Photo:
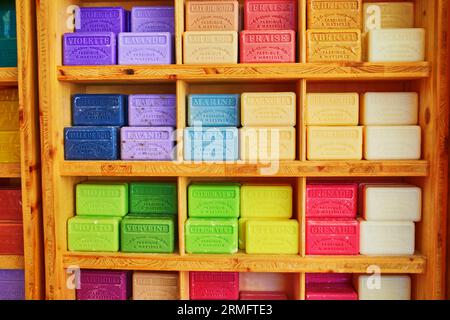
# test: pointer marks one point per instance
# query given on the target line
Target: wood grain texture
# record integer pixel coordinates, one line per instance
(9, 76)
(10, 170)
(12, 262)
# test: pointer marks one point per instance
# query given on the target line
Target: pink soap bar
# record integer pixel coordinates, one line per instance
(270, 15)
(332, 237)
(269, 46)
(328, 278)
(329, 200)
(262, 295)
(331, 292)
(214, 285)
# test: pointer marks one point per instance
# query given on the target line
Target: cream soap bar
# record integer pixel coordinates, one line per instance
(384, 287)
(388, 15)
(203, 47)
(330, 109)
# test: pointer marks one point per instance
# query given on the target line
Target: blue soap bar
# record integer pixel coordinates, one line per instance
(211, 144)
(213, 110)
(12, 285)
(91, 143)
(99, 110)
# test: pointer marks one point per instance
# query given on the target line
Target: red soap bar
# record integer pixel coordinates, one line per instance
(214, 285)
(270, 15)
(267, 46)
(11, 204)
(327, 200)
(329, 278)
(262, 295)
(331, 292)
(11, 238)
(332, 237)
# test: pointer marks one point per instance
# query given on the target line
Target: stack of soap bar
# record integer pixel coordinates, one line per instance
(153, 19)
(206, 47)
(334, 45)
(332, 109)
(11, 200)
(9, 105)
(264, 282)
(152, 110)
(213, 110)
(214, 200)
(9, 147)
(101, 19)
(11, 238)
(384, 287)
(155, 286)
(105, 199)
(12, 285)
(153, 198)
(331, 200)
(104, 285)
(334, 14)
(99, 110)
(212, 15)
(147, 48)
(268, 46)
(330, 292)
(147, 143)
(8, 34)
(214, 286)
(270, 15)
(388, 15)
(91, 143)
(89, 48)
(262, 295)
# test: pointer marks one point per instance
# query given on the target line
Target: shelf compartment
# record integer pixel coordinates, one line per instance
(12, 262)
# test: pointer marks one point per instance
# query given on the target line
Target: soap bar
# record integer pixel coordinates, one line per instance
(389, 108)
(153, 198)
(206, 47)
(262, 295)
(91, 143)
(146, 48)
(272, 236)
(93, 234)
(332, 237)
(153, 19)
(8, 54)
(155, 286)
(9, 147)
(392, 203)
(212, 15)
(331, 200)
(101, 19)
(214, 285)
(387, 237)
(266, 201)
(102, 199)
(268, 46)
(332, 109)
(388, 15)
(152, 110)
(148, 234)
(334, 14)
(99, 110)
(270, 15)
(384, 287)
(104, 285)
(211, 144)
(396, 45)
(334, 45)
(264, 282)
(214, 200)
(207, 235)
(267, 143)
(9, 105)
(89, 48)
(11, 238)
(392, 142)
(12, 285)
(11, 200)
(328, 278)
(242, 229)
(8, 32)
(213, 110)
(330, 292)
(155, 143)
(269, 109)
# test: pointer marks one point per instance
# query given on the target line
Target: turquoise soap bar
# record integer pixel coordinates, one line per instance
(214, 200)
(153, 198)
(102, 199)
(8, 34)
(213, 110)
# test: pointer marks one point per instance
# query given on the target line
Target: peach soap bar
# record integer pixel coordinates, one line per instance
(334, 14)
(212, 16)
(332, 109)
(334, 45)
(388, 15)
(203, 47)
(266, 201)
(155, 286)
(384, 287)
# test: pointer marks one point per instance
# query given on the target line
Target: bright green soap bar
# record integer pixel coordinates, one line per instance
(148, 234)
(102, 199)
(93, 234)
(214, 200)
(266, 201)
(211, 235)
(153, 198)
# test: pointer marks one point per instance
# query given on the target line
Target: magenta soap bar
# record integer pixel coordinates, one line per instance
(145, 48)
(269, 46)
(331, 200)
(332, 237)
(140, 143)
(101, 19)
(214, 285)
(329, 278)
(89, 48)
(271, 14)
(261, 295)
(330, 292)
(104, 285)
(153, 19)
(152, 110)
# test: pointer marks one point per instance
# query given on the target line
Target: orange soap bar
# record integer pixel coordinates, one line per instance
(11, 238)
(212, 16)
(334, 45)
(334, 14)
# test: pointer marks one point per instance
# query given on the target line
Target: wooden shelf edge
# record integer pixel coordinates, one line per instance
(9, 76)
(10, 170)
(12, 262)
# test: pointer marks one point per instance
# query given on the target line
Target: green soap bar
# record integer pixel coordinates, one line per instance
(211, 235)
(102, 199)
(148, 234)
(214, 200)
(93, 234)
(153, 198)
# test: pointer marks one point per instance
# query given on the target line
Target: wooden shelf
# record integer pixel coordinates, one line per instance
(10, 170)
(11, 262)
(9, 76)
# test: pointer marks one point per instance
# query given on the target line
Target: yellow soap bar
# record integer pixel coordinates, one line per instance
(9, 147)
(268, 109)
(334, 143)
(266, 201)
(203, 47)
(272, 237)
(267, 143)
(334, 45)
(9, 110)
(388, 15)
(332, 109)
(334, 14)
(242, 227)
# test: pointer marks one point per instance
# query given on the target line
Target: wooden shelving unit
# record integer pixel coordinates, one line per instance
(12, 262)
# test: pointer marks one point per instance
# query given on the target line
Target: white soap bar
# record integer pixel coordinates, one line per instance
(392, 203)
(269, 282)
(387, 238)
(389, 108)
(392, 143)
(388, 15)
(384, 287)
(396, 45)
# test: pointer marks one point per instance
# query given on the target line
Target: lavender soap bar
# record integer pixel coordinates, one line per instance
(214, 110)
(153, 19)
(12, 285)
(89, 48)
(152, 110)
(99, 110)
(148, 143)
(145, 48)
(91, 143)
(101, 19)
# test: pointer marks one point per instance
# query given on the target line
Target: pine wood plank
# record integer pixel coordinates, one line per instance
(10, 170)
(13, 262)
(9, 76)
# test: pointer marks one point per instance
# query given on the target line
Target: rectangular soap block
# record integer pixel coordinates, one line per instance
(331, 200)
(8, 54)
(207, 235)
(332, 109)
(328, 278)
(11, 238)
(8, 14)
(104, 285)
(99, 110)
(155, 143)
(332, 237)
(214, 200)
(89, 48)
(101, 19)
(208, 47)
(93, 234)
(392, 142)
(9, 147)
(214, 285)
(243, 227)
(12, 285)
(11, 200)
(334, 143)
(396, 45)
(155, 286)
(266, 109)
(153, 198)
(267, 46)
(272, 236)
(270, 15)
(330, 292)
(212, 15)
(9, 106)
(334, 14)
(211, 144)
(153, 19)
(388, 15)
(152, 110)
(262, 295)
(91, 143)
(213, 110)
(384, 287)
(145, 48)
(102, 199)
(265, 282)
(389, 108)
(266, 201)
(334, 45)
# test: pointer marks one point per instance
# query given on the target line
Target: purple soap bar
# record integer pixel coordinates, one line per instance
(89, 48)
(153, 19)
(145, 48)
(148, 143)
(12, 285)
(152, 110)
(104, 285)
(101, 19)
